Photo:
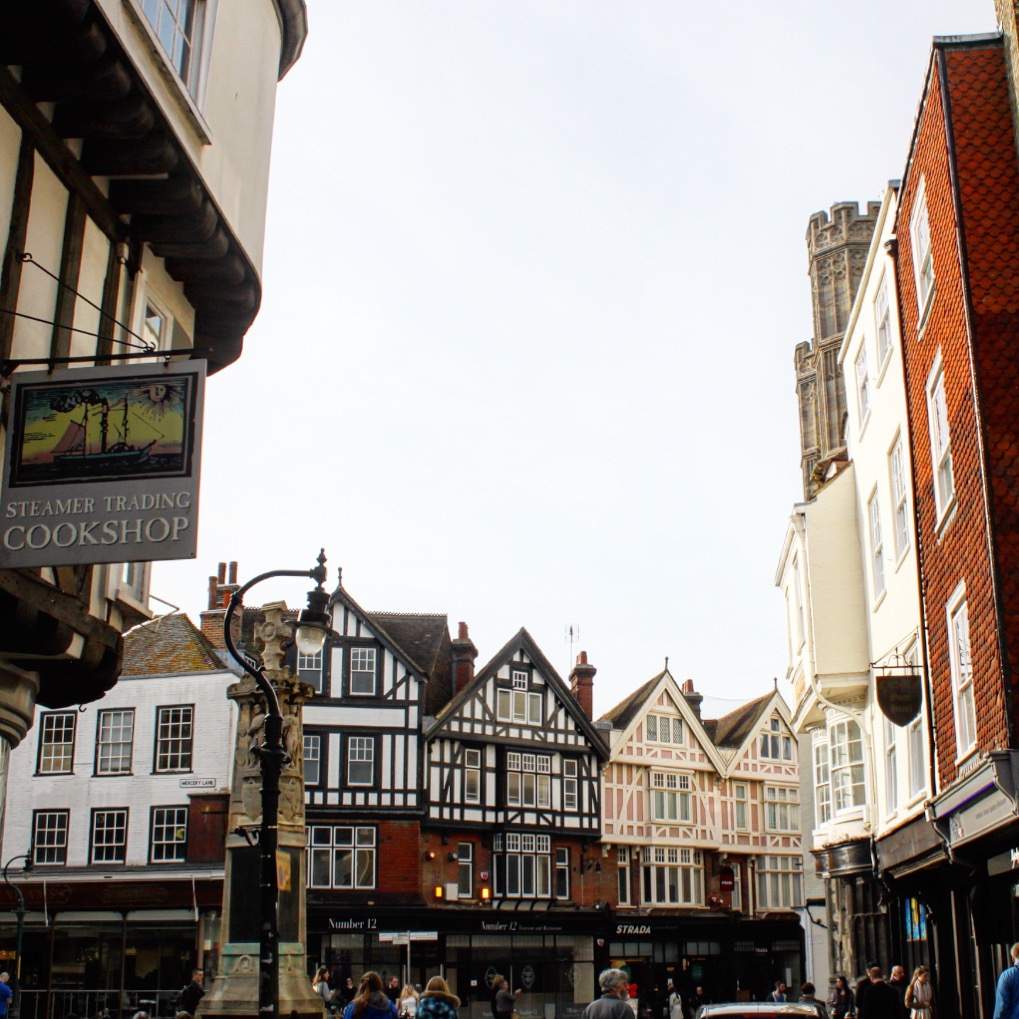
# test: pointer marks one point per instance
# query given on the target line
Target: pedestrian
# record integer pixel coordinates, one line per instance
(882, 1000)
(393, 989)
(779, 993)
(505, 1000)
(342, 995)
(699, 998)
(842, 1000)
(6, 994)
(863, 985)
(897, 979)
(407, 1003)
(436, 1002)
(807, 997)
(1006, 996)
(187, 1000)
(370, 1001)
(615, 995)
(320, 983)
(675, 1009)
(920, 994)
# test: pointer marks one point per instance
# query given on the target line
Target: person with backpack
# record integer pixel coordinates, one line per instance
(370, 1002)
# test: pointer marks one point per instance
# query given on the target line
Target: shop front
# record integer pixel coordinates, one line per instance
(550, 956)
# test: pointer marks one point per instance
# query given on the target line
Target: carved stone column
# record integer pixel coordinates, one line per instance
(235, 989)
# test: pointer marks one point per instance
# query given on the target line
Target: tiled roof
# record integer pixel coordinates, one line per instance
(168, 644)
(423, 636)
(732, 729)
(624, 712)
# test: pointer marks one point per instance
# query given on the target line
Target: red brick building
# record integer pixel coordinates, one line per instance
(958, 281)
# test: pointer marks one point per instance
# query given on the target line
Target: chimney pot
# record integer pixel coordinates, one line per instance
(582, 684)
(462, 632)
(233, 573)
(582, 658)
(222, 573)
(688, 686)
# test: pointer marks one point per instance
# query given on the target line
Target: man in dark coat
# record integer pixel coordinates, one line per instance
(615, 996)
(882, 1000)
(192, 993)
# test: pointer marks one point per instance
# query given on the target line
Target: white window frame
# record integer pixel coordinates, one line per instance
(671, 798)
(877, 547)
(49, 837)
(822, 780)
(522, 865)
(741, 806)
(900, 505)
(528, 780)
(571, 797)
(883, 322)
(781, 808)
(623, 872)
(779, 882)
(776, 744)
(465, 870)
(332, 849)
(309, 669)
(108, 836)
(923, 258)
(312, 758)
(472, 775)
(798, 616)
(361, 759)
(846, 766)
(941, 441)
(56, 756)
(672, 876)
(175, 739)
(960, 656)
(520, 707)
(168, 835)
(362, 662)
(115, 756)
(862, 386)
(891, 766)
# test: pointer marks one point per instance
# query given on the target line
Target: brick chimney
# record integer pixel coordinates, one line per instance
(582, 684)
(220, 592)
(464, 653)
(692, 696)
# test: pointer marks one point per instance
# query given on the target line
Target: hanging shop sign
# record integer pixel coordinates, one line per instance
(900, 696)
(102, 465)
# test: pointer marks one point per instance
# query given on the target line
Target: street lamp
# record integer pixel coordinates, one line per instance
(19, 929)
(311, 630)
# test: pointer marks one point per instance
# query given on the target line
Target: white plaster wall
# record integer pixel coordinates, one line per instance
(214, 738)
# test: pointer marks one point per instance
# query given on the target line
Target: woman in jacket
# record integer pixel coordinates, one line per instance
(370, 1002)
(842, 1001)
(320, 983)
(436, 1002)
(920, 995)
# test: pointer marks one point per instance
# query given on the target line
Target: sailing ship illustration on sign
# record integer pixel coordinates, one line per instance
(136, 427)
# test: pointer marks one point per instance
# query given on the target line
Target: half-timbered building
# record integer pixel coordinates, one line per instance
(701, 821)
(511, 831)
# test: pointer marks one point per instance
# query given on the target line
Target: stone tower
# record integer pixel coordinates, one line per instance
(837, 246)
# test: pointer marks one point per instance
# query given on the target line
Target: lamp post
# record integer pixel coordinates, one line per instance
(311, 630)
(19, 929)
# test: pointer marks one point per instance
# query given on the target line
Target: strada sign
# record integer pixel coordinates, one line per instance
(102, 465)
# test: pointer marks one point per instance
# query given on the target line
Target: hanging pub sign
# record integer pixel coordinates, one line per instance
(101, 465)
(900, 696)
(726, 878)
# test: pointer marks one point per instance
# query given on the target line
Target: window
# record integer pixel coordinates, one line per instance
(169, 839)
(312, 758)
(672, 876)
(341, 857)
(178, 25)
(363, 662)
(519, 679)
(664, 729)
(157, 328)
(774, 745)
(862, 385)
(174, 737)
(562, 873)
(846, 766)
(519, 706)
(570, 785)
(133, 577)
(822, 786)
(56, 743)
(882, 320)
(800, 624)
(623, 874)
(779, 882)
(923, 261)
(897, 474)
(523, 866)
(877, 559)
(741, 806)
(528, 780)
(114, 740)
(361, 760)
(941, 445)
(109, 836)
(472, 776)
(49, 836)
(670, 796)
(309, 669)
(962, 676)
(465, 870)
(781, 808)
(891, 767)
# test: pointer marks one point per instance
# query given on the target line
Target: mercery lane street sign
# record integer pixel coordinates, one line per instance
(102, 465)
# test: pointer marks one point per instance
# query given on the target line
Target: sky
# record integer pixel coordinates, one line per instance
(534, 273)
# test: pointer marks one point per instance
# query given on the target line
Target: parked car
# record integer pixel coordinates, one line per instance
(755, 1010)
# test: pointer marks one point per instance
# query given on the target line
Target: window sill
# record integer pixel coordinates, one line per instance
(903, 556)
(883, 369)
(879, 599)
(863, 425)
(925, 312)
(945, 517)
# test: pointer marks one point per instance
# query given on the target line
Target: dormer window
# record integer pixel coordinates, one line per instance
(519, 679)
(774, 745)
(663, 729)
(519, 706)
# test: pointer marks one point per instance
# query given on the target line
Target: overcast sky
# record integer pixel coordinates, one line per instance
(533, 278)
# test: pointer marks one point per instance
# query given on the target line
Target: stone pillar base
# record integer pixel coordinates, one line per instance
(234, 992)
(18, 691)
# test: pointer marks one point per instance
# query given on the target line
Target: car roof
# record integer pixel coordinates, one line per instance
(757, 1009)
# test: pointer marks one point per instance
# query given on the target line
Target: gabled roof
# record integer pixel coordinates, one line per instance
(166, 645)
(731, 730)
(423, 636)
(522, 640)
(627, 709)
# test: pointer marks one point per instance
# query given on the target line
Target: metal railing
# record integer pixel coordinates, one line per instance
(95, 1004)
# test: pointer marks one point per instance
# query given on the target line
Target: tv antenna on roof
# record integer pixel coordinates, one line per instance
(572, 636)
